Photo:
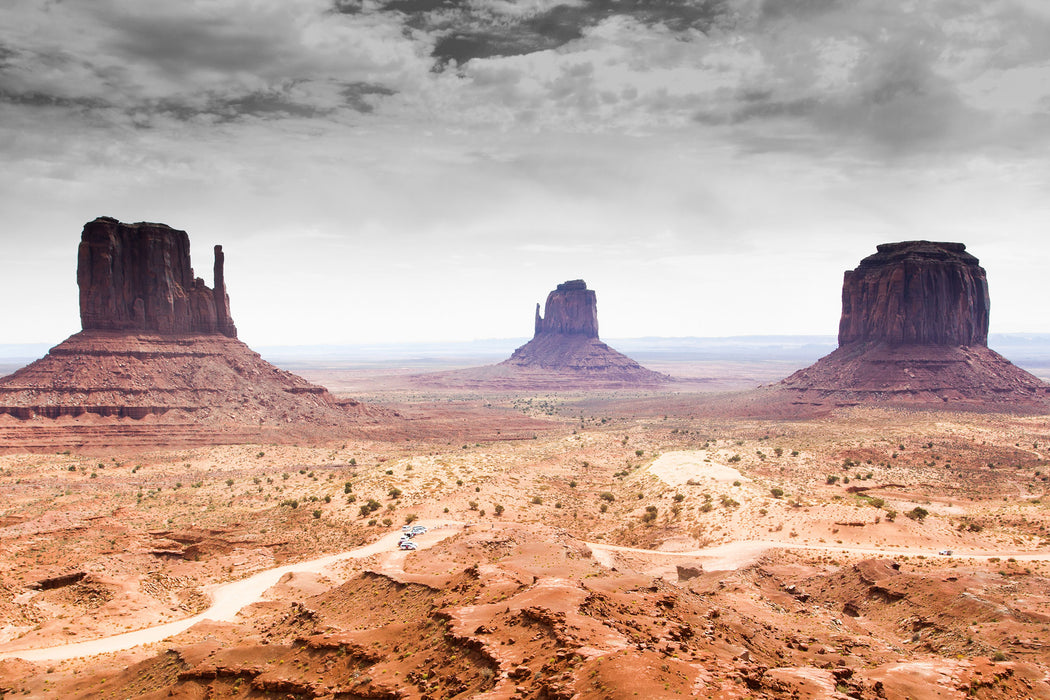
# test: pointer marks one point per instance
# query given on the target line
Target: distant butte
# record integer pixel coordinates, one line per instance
(157, 361)
(913, 332)
(564, 353)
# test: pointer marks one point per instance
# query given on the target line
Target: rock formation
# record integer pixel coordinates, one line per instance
(917, 293)
(137, 277)
(156, 343)
(571, 309)
(564, 353)
(914, 331)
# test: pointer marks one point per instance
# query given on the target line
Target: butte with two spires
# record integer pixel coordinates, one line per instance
(158, 360)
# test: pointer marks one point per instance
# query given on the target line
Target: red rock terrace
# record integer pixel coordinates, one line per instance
(157, 347)
(914, 330)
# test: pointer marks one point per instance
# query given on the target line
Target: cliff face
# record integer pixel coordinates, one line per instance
(137, 277)
(571, 309)
(916, 293)
(914, 332)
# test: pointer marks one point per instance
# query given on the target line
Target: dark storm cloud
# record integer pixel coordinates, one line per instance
(40, 99)
(466, 30)
(361, 96)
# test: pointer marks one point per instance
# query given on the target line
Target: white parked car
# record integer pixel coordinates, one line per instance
(945, 552)
(407, 544)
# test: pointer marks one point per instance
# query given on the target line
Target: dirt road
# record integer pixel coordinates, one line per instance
(733, 555)
(227, 600)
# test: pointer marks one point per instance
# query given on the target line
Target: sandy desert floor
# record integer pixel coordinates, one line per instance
(608, 545)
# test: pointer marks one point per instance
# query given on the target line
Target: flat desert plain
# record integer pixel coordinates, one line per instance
(609, 544)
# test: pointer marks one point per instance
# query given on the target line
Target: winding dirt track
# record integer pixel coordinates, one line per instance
(228, 599)
(733, 555)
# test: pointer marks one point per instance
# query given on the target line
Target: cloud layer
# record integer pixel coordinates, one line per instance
(676, 148)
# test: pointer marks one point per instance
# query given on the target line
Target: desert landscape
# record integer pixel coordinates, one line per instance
(526, 350)
(642, 537)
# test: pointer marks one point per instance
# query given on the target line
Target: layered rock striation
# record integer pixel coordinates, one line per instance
(157, 344)
(914, 331)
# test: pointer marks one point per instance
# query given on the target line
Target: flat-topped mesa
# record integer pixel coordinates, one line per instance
(137, 277)
(916, 293)
(571, 309)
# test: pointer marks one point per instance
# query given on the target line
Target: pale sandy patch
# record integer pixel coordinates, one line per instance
(676, 468)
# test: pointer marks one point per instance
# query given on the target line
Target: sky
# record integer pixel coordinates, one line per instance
(428, 170)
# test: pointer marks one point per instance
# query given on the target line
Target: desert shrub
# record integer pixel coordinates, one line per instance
(372, 506)
(918, 513)
(679, 497)
(351, 498)
(394, 492)
(410, 518)
(728, 502)
(707, 507)
(607, 496)
(387, 522)
(473, 505)
(891, 515)
(604, 508)
(777, 492)
(831, 479)
(348, 487)
(317, 514)
(778, 451)
(734, 458)
(537, 500)
(649, 515)
(639, 453)
(498, 509)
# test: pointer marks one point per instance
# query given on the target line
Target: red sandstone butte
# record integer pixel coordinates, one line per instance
(137, 277)
(564, 353)
(157, 361)
(914, 331)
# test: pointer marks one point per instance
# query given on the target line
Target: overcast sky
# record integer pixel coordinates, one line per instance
(413, 170)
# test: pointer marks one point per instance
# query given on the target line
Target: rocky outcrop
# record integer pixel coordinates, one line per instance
(913, 332)
(137, 277)
(917, 293)
(564, 353)
(159, 350)
(571, 309)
